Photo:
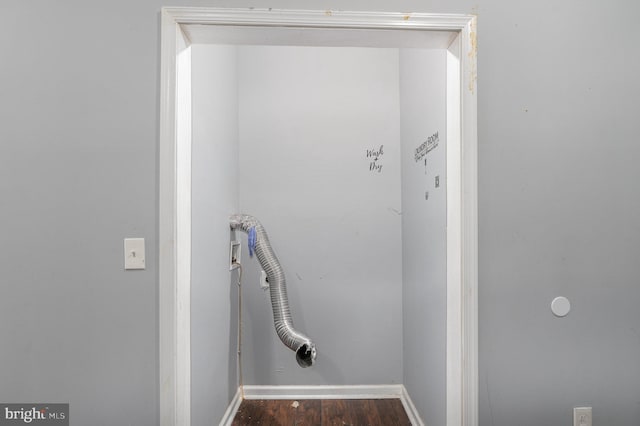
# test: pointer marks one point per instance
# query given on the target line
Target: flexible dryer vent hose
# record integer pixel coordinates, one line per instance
(296, 341)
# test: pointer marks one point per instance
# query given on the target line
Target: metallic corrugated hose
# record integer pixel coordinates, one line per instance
(296, 341)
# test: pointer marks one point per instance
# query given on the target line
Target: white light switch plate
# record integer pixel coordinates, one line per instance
(134, 253)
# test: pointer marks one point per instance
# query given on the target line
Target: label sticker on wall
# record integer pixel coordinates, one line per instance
(375, 159)
(426, 147)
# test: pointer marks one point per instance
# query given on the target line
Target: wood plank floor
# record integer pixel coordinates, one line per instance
(325, 412)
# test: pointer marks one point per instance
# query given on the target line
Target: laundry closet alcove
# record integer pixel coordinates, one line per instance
(352, 137)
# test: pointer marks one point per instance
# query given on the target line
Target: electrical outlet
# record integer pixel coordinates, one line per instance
(582, 416)
(234, 255)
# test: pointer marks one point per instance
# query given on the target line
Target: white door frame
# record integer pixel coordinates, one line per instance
(175, 191)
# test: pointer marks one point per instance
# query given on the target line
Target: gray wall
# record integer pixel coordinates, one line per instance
(214, 197)
(558, 185)
(332, 222)
(559, 209)
(78, 173)
(424, 260)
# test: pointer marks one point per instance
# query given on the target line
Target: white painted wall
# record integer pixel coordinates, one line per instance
(422, 101)
(307, 118)
(214, 198)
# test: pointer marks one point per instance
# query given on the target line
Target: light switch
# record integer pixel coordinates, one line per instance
(134, 253)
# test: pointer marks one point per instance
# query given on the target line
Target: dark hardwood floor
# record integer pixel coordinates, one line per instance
(325, 412)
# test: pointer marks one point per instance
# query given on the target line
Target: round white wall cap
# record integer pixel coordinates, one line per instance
(560, 306)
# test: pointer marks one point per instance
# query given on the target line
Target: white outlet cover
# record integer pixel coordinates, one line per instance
(560, 306)
(134, 256)
(582, 416)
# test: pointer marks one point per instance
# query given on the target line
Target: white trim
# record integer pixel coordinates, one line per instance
(469, 311)
(183, 235)
(454, 238)
(175, 227)
(462, 230)
(410, 409)
(325, 392)
(317, 18)
(230, 414)
(166, 267)
(175, 203)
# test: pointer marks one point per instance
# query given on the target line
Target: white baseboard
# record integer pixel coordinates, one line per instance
(324, 392)
(410, 409)
(230, 414)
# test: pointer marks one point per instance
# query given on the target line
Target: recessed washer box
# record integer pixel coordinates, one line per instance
(234, 255)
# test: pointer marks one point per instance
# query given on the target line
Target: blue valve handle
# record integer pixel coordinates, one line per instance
(252, 240)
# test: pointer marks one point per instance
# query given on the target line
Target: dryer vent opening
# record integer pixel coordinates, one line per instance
(306, 355)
